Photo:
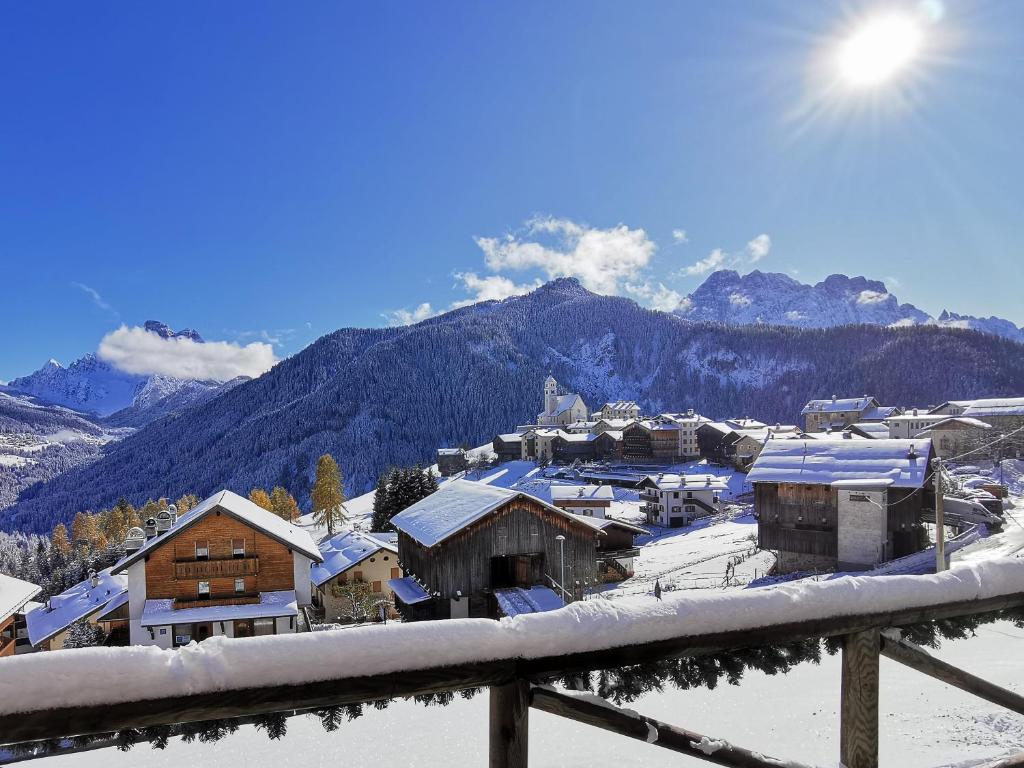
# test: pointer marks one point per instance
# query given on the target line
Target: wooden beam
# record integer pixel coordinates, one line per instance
(510, 725)
(917, 659)
(636, 726)
(858, 726)
(63, 722)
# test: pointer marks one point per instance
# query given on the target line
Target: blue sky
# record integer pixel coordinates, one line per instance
(276, 171)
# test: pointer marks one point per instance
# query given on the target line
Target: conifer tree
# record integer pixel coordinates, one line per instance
(382, 503)
(327, 495)
(261, 498)
(283, 504)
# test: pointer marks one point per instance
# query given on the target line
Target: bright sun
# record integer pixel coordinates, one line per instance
(878, 49)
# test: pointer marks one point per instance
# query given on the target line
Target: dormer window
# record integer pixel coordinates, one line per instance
(202, 550)
(238, 547)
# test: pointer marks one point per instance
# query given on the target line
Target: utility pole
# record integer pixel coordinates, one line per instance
(940, 520)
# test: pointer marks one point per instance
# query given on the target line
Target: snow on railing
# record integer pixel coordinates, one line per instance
(97, 676)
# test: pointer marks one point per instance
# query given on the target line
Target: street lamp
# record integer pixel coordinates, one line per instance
(561, 547)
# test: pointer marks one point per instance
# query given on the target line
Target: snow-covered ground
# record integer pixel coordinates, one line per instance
(924, 724)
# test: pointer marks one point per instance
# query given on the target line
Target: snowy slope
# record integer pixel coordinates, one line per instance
(773, 298)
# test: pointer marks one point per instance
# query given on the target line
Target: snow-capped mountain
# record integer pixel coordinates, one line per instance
(380, 397)
(772, 298)
(95, 387)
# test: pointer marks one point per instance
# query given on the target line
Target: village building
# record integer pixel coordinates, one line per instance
(841, 504)
(451, 461)
(98, 600)
(675, 501)
(560, 408)
(1005, 414)
(907, 425)
(958, 435)
(839, 413)
(713, 442)
(508, 447)
(616, 548)
(468, 542)
(15, 594)
(620, 409)
(349, 559)
(951, 407)
(589, 500)
(226, 567)
(688, 422)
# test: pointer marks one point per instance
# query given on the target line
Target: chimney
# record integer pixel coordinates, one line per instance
(163, 521)
(150, 527)
(689, 411)
(94, 579)
(915, 411)
(833, 398)
(134, 540)
(172, 510)
(912, 453)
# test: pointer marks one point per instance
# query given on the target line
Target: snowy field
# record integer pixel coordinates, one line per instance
(924, 724)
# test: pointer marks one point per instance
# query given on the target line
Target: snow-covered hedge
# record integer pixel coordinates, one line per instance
(96, 676)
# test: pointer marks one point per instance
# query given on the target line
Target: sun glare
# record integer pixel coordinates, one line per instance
(879, 49)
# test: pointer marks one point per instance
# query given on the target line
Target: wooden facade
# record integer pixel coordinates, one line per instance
(7, 636)
(237, 556)
(802, 520)
(513, 546)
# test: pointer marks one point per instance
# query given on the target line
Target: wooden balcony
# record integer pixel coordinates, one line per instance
(241, 598)
(212, 569)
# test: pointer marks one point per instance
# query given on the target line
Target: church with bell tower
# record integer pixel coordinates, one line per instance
(561, 408)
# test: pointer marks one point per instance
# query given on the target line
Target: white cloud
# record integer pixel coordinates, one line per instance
(871, 297)
(739, 300)
(715, 260)
(490, 288)
(136, 350)
(656, 296)
(758, 248)
(602, 259)
(97, 300)
(892, 282)
(410, 316)
(680, 236)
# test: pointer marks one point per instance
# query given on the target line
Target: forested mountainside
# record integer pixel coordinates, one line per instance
(773, 298)
(378, 397)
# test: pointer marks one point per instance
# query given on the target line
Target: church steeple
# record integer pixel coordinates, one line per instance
(550, 394)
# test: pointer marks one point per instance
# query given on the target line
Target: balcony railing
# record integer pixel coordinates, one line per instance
(239, 598)
(226, 568)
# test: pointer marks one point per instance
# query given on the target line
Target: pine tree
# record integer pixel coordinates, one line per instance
(327, 495)
(283, 504)
(382, 513)
(82, 634)
(261, 498)
(60, 540)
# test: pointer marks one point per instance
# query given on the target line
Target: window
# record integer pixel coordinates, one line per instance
(385, 558)
(396, 573)
(202, 550)
(239, 586)
(358, 576)
(375, 587)
(203, 589)
(163, 630)
(238, 547)
(689, 494)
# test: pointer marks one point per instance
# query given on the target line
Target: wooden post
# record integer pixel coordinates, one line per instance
(940, 519)
(510, 710)
(858, 727)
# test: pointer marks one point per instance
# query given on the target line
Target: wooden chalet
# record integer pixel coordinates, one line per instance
(14, 595)
(841, 504)
(467, 540)
(226, 567)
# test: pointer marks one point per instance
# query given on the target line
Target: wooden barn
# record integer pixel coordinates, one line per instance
(468, 540)
(841, 504)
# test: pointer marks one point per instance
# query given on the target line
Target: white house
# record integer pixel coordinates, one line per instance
(674, 501)
(589, 500)
(620, 409)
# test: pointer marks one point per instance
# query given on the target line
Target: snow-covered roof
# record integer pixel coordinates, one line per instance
(457, 504)
(344, 550)
(517, 601)
(745, 424)
(14, 593)
(73, 604)
(581, 493)
(511, 437)
(449, 451)
(272, 604)
(621, 405)
(718, 426)
(408, 591)
(966, 422)
(873, 429)
(564, 403)
(675, 482)
(601, 523)
(616, 423)
(244, 511)
(685, 418)
(879, 412)
(999, 406)
(839, 405)
(113, 605)
(957, 403)
(824, 462)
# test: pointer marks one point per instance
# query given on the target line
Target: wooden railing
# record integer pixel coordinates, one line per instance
(205, 569)
(236, 598)
(514, 688)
